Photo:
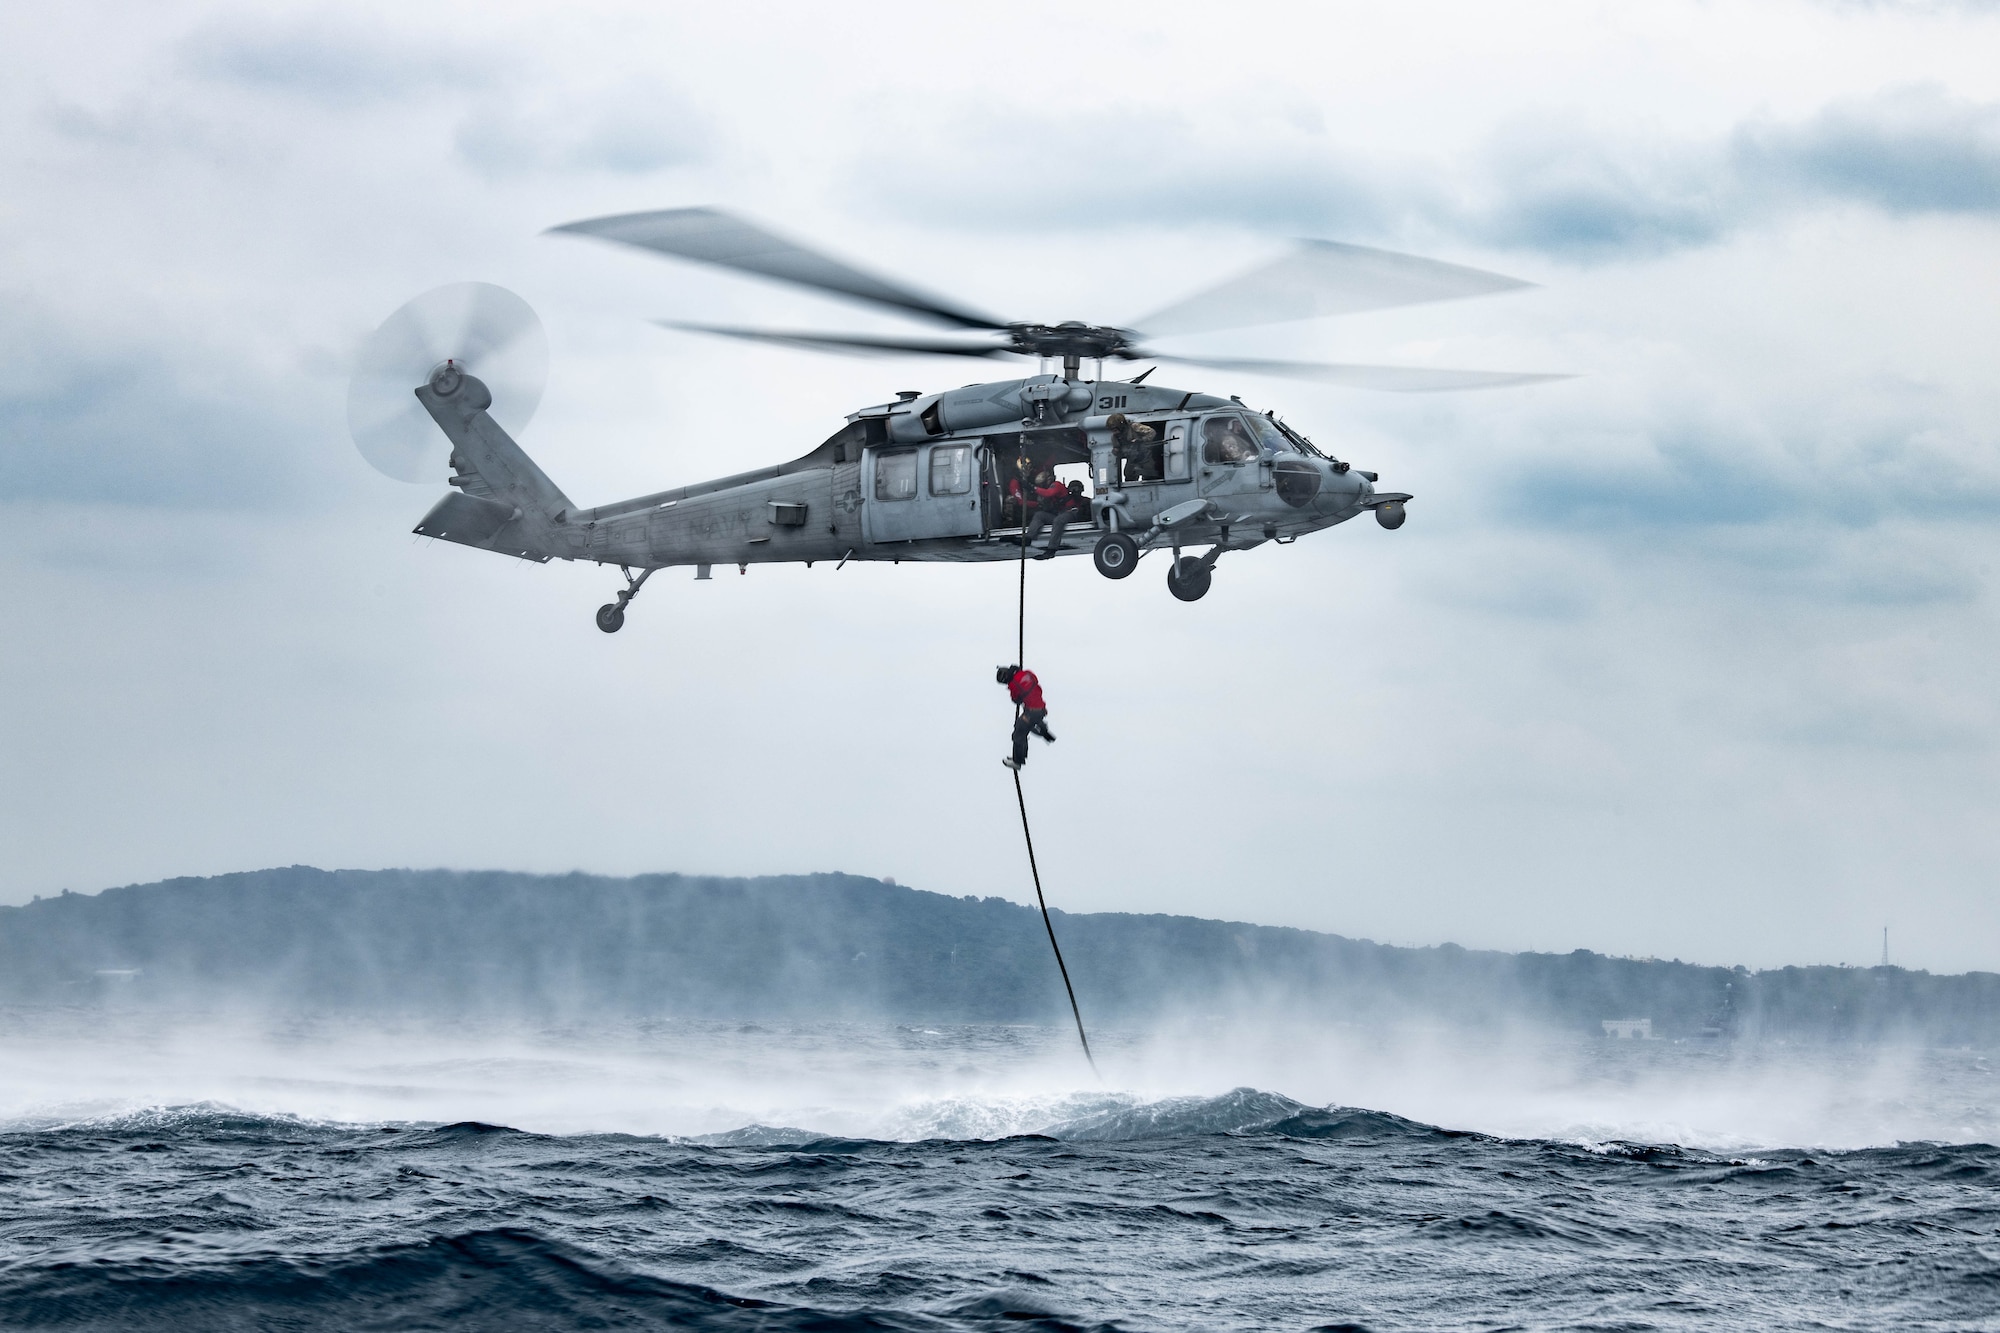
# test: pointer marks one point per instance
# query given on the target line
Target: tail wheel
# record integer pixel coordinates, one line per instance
(611, 617)
(1116, 555)
(1189, 579)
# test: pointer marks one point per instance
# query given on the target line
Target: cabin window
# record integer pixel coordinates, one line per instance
(951, 469)
(896, 475)
(1177, 450)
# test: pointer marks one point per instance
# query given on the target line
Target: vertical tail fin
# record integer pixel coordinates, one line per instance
(507, 503)
(482, 451)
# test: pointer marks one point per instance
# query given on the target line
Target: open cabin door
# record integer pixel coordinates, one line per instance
(916, 491)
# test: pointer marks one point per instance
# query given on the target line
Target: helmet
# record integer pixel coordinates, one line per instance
(1004, 675)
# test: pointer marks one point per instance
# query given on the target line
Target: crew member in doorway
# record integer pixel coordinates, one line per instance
(1020, 495)
(1030, 713)
(1052, 506)
(1137, 445)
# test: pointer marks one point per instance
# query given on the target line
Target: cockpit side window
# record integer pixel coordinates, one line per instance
(1226, 440)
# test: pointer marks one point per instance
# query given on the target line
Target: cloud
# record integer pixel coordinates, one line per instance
(636, 127)
(1556, 189)
(1548, 183)
(318, 61)
(96, 419)
(1696, 457)
(1908, 150)
(521, 117)
(1261, 173)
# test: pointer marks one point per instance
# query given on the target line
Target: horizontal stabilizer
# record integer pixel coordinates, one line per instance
(486, 524)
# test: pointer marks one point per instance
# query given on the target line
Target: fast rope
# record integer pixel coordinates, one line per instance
(1027, 835)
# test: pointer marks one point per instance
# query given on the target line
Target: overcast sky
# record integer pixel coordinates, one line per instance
(1691, 656)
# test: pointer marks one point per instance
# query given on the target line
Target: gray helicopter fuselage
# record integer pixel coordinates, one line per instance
(919, 479)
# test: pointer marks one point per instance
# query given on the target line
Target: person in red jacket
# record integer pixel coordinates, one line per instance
(1052, 506)
(1019, 498)
(1030, 713)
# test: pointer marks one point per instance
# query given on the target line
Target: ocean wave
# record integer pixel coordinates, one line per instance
(1239, 1111)
(204, 1119)
(1101, 1117)
(1080, 1118)
(1243, 1211)
(1245, 1111)
(504, 1278)
(1105, 1118)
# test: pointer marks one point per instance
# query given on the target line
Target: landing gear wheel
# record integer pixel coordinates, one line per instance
(611, 617)
(1189, 578)
(1116, 555)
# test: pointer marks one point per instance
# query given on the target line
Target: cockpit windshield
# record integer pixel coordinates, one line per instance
(1274, 440)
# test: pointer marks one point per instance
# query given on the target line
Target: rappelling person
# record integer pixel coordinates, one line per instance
(1030, 713)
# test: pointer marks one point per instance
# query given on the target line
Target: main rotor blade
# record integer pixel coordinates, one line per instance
(1324, 278)
(710, 236)
(847, 342)
(1389, 379)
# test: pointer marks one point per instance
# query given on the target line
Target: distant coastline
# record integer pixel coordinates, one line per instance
(444, 943)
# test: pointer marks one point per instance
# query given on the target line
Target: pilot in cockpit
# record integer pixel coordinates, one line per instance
(1225, 441)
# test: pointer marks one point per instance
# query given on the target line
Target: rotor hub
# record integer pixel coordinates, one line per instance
(1068, 340)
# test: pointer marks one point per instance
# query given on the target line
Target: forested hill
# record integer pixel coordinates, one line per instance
(445, 943)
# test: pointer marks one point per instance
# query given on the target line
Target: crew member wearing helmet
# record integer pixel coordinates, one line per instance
(1051, 506)
(1030, 713)
(1138, 446)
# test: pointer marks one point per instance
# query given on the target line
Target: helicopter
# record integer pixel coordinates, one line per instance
(926, 476)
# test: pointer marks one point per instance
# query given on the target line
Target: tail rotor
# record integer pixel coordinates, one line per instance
(477, 328)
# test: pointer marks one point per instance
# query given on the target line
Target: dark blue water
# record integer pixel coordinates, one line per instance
(1244, 1210)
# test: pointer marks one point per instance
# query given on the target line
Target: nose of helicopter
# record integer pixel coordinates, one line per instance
(1344, 489)
(1315, 484)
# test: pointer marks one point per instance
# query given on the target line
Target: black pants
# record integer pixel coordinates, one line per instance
(1030, 721)
(1042, 519)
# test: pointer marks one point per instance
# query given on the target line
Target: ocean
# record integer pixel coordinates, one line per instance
(208, 1173)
